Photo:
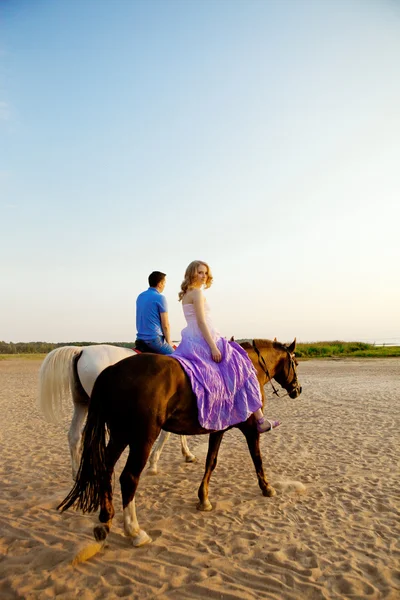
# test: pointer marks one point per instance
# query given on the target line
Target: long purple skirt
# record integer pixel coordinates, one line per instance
(227, 392)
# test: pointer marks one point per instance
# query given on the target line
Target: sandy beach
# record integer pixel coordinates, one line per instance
(337, 535)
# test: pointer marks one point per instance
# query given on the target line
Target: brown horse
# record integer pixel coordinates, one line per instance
(136, 398)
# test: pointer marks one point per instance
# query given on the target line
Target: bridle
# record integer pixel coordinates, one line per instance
(264, 367)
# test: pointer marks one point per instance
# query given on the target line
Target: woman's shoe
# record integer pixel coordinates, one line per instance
(265, 424)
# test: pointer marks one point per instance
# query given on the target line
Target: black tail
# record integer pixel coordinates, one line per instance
(93, 480)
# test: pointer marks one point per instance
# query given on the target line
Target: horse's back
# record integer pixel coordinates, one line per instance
(94, 359)
(147, 372)
(145, 387)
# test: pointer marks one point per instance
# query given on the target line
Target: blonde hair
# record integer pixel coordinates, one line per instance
(190, 276)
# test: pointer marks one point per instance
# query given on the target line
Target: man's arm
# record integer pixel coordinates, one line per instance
(165, 327)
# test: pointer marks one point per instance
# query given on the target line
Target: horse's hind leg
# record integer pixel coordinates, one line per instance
(156, 452)
(131, 526)
(113, 452)
(81, 407)
(214, 443)
(75, 433)
(253, 442)
(189, 457)
(129, 479)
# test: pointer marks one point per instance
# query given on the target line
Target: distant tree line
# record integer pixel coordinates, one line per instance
(45, 347)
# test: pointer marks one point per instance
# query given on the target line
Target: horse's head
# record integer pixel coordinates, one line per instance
(286, 376)
(274, 360)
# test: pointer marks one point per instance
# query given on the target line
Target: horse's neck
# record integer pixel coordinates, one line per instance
(272, 357)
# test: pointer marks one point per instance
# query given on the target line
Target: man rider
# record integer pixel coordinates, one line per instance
(152, 322)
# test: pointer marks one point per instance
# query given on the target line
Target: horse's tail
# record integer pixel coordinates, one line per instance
(56, 378)
(93, 481)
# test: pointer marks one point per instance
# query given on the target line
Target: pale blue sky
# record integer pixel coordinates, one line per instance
(261, 136)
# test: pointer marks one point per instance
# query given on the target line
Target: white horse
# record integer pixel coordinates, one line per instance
(73, 370)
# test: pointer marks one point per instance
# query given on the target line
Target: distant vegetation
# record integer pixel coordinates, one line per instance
(310, 350)
(344, 349)
(45, 347)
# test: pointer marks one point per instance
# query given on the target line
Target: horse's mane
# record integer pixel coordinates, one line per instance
(262, 344)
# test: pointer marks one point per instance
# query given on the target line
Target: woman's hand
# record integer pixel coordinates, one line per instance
(216, 354)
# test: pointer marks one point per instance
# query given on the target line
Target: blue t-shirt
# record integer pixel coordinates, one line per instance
(149, 305)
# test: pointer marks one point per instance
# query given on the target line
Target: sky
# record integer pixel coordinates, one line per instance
(261, 136)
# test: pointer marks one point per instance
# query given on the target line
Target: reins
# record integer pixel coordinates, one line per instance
(264, 367)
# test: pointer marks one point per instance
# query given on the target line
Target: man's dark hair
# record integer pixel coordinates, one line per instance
(155, 278)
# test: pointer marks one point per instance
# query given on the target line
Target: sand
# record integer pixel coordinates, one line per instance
(333, 534)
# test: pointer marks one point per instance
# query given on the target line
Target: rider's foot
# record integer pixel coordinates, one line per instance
(265, 424)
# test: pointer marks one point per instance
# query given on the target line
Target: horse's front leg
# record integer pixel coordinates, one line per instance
(189, 457)
(75, 435)
(156, 452)
(214, 443)
(252, 436)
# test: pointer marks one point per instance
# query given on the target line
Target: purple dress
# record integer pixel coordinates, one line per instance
(227, 392)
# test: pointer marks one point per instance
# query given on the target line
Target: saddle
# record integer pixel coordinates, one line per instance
(141, 346)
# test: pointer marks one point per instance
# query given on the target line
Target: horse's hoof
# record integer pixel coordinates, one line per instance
(141, 539)
(269, 492)
(204, 506)
(191, 458)
(152, 471)
(100, 532)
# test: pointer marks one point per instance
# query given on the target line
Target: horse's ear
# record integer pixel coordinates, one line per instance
(275, 340)
(232, 339)
(292, 346)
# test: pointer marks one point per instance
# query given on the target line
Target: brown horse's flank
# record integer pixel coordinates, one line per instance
(136, 398)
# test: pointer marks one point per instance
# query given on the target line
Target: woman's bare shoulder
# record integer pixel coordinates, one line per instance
(197, 292)
(192, 296)
(198, 298)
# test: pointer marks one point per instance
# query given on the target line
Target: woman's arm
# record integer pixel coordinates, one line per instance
(198, 303)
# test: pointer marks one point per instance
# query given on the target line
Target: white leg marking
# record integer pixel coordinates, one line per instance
(131, 526)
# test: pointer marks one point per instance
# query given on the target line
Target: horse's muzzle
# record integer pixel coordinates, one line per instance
(296, 392)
